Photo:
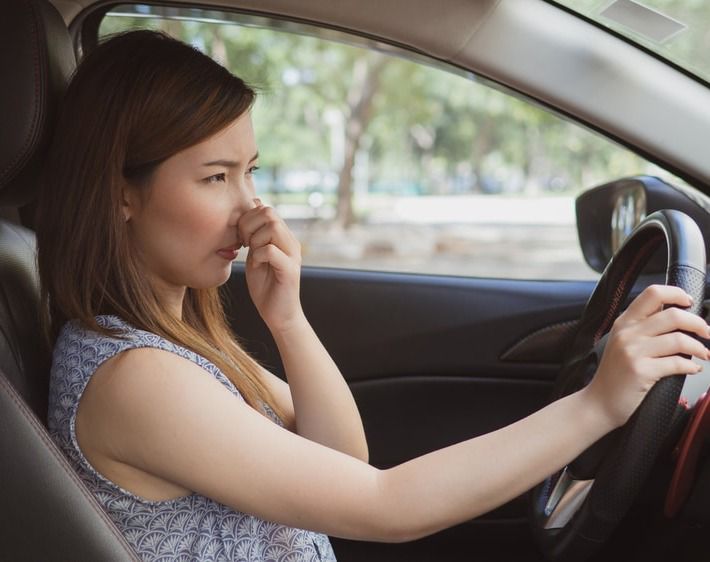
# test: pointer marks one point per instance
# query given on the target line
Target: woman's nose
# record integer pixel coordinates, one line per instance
(244, 198)
(243, 201)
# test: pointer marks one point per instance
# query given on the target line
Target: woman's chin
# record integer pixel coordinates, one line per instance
(213, 281)
(226, 274)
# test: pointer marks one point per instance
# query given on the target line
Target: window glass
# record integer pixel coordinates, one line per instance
(381, 161)
(678, 30)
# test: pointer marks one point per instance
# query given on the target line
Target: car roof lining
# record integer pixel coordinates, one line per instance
(580, 69)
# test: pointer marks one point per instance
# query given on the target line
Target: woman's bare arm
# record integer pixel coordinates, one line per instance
(327, 413)
(166, 416)
(323, 406)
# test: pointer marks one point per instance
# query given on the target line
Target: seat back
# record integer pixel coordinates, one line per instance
(46, 512)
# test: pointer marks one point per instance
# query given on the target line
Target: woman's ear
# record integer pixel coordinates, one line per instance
(129, 201)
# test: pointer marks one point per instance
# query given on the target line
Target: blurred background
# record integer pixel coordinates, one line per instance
(381, 161)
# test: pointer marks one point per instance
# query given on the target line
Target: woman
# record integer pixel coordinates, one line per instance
(194, 450)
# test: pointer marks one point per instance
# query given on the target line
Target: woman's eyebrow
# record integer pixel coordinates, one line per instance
(229, 163)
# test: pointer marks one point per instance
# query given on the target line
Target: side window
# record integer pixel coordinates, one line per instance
(381, 161)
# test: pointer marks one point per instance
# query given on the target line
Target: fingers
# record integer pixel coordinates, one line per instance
(261, 226)
(645, 316)
(272, 255)
(656, 333)
(673, 365)
(672, 319)
(653, 298)
(676, 343)
(252, 220)
(275, 233)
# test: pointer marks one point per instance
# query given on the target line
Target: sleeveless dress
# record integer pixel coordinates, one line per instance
(192, 527)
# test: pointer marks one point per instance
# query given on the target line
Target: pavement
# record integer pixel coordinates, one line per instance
(470, 235)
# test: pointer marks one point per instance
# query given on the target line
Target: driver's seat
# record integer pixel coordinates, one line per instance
(46, 512)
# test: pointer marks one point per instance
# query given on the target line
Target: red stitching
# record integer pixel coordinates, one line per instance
(630, 273)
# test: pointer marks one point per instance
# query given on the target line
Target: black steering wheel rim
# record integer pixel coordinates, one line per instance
(595, 507)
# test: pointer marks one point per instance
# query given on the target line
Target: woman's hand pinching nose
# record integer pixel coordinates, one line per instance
(273, 265)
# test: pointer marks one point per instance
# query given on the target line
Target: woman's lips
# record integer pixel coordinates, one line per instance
(229, 253)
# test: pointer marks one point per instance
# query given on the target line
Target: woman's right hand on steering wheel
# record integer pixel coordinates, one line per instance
(646, 343)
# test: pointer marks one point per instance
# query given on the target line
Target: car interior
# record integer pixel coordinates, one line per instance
(431, 360)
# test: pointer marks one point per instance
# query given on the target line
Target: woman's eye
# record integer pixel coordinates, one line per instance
(216, 178)
(251, 170)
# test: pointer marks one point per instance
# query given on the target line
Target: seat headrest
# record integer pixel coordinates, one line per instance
(36, 63)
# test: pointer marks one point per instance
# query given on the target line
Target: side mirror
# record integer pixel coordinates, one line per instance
(608, 213)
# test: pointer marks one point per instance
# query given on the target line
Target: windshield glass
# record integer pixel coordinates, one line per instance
(678, 30)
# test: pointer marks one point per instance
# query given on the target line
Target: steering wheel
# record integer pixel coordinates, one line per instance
(575, 511)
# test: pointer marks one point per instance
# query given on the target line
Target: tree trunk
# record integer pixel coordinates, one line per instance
(366, 76)
(218, 49)
(174, 28)
(482, 144)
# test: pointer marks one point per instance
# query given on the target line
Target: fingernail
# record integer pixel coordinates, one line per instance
(257, 202)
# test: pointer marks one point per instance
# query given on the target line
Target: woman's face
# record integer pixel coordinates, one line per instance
(184, 225)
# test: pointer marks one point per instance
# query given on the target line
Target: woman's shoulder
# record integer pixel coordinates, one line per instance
(122, 352)
(93, 346)
(81, 349)
(113, 335)
(122, 338)
(115, 329)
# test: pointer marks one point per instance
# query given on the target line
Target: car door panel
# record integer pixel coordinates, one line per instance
(392, 325)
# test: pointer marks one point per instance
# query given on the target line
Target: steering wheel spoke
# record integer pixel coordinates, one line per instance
(565, 500)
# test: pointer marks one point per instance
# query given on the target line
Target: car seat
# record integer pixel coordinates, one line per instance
(46, 513)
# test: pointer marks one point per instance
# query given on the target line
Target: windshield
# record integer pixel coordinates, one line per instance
(678, 30)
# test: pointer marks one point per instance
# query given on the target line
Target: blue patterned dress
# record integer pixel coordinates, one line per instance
(192, 527)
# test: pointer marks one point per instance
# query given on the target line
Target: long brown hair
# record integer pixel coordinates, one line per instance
(137, 99)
